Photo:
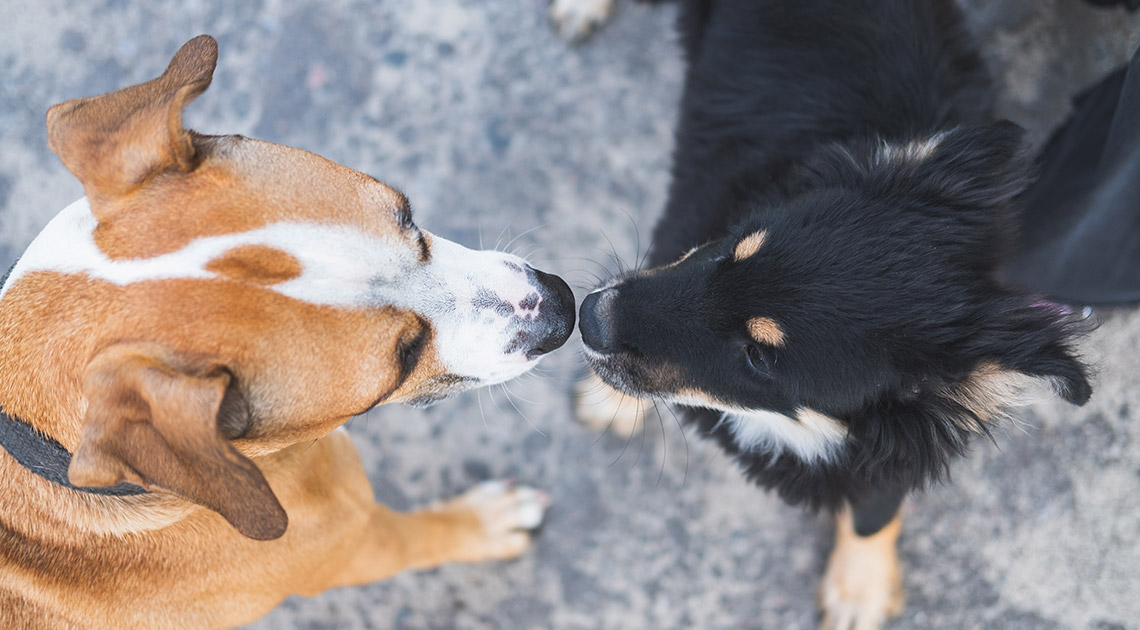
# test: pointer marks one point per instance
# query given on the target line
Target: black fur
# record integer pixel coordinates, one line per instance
(859, 136)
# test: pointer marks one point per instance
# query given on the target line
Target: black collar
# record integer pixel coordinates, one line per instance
(4, 280)
(47, 458)
(43, 455)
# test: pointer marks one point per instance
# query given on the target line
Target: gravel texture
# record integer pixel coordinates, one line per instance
(503, 135)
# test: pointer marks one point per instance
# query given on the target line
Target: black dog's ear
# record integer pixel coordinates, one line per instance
(1032, 336)
(913, 434)
(977, 167)
(972, 167)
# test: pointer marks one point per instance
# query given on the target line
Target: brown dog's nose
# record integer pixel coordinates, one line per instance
(556, 314)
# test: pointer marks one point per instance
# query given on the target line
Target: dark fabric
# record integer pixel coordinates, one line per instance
(47, 458)
(1080, 238)
(4, 279)
(876, 510)
(1131, 5)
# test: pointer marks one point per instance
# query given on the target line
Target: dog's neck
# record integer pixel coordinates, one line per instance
(41, 454)
(47, 458)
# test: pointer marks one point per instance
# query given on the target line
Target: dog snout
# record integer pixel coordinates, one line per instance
(555, 319)
(596, 321)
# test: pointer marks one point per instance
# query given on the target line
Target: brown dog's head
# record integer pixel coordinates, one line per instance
(218, 297)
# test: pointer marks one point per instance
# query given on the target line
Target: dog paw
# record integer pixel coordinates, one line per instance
(861, 590)
(506, 516)
(575, 19)
(599, 406)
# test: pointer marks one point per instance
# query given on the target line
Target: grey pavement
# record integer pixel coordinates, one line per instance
(502, 135)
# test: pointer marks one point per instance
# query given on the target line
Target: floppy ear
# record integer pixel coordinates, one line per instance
(912, 438)
(1033, 337)
(155, 424)
(114, 142)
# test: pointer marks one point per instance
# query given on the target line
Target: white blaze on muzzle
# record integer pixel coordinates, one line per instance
(479, 303)
(480, 306)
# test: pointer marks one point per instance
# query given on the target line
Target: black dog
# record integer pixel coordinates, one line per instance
(839, 326)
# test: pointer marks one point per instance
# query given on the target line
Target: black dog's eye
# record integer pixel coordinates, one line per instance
(760, 358)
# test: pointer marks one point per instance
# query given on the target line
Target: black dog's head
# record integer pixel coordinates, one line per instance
(859, 317)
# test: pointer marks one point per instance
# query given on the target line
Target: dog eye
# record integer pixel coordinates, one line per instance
(404, 219)
(409, 351)
(760, 358)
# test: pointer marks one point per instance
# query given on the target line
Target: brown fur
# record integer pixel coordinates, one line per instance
(256, 264)
(749, 245)
(766, 330)
(226, 411)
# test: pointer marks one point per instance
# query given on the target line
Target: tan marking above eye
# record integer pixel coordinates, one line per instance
(256, 264)
(749, 245)
(766, 330)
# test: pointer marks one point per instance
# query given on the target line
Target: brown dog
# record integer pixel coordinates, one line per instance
(193, 332)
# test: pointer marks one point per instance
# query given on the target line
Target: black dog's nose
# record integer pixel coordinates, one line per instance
(557, 314)
(596, 321)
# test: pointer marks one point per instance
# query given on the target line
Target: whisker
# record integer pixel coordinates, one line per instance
(479, 401)
(620, 261)
(613, 255)
(624, 447)
(642, 261)
(584, 287)
(684, 437)
(664, 450)
(636, 237)
(507, 247)
(587, 259)
(509, 393)
(491, 395)
(527, 256)
(499, 238)
(520, 411)
(644, 430)
(603, 432)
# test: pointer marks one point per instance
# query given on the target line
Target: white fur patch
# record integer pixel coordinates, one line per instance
(338, 262)
(913, 151)
(811, 436)
(470, 338)
(344, 267)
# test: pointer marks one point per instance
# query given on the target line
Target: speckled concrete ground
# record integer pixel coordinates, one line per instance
(503, 135)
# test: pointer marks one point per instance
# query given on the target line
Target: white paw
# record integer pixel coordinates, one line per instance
(599, 406)
(575, 19)
(508, 513)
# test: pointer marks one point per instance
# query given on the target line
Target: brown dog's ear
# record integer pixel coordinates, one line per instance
(154, 424)
(114, 142)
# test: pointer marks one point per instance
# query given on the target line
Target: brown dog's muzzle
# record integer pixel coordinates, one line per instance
(555, 319)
